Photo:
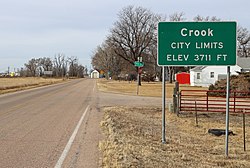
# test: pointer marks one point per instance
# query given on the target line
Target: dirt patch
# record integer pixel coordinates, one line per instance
(8, 85)
(133, 139)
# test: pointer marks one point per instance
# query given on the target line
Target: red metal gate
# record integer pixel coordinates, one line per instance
(213, 101)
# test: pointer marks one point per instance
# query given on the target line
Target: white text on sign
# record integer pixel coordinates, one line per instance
(197, 57)
(200, 45)
(191, 32)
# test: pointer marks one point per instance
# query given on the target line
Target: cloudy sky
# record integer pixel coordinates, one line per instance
(33, 29)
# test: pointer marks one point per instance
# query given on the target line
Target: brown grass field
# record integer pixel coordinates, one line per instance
(146, 89)
(133, 139)
(133, 135)
(14, 84)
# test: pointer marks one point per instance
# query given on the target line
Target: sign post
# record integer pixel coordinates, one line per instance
(139, 64)
(197, 44)
(163, 106)
(227, 110)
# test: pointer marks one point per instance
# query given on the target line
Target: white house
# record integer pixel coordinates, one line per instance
(95, 74)
(207, 75)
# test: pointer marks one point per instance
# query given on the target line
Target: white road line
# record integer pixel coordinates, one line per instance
(72, 138)
(94, 86)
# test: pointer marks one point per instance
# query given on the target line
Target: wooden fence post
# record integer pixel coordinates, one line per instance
(207, 100)
(175, 97)
(234, 100)
(196, 115)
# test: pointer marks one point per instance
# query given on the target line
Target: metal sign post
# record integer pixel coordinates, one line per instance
(163, 106)
(196, 44)
(139, 64)
(227, 109)
(137, 88)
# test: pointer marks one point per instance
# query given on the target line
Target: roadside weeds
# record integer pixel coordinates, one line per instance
(133, 139)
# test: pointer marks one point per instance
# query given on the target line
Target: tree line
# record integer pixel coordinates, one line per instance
(134, 35)
(59, 66)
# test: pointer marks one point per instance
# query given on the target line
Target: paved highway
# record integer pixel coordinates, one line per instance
(58, 125)
(53, 126)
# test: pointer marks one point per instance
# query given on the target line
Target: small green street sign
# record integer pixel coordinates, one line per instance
(196, 43)
(138, 64)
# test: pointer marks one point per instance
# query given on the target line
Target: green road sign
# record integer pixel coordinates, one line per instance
(196, 43)
(138, 64)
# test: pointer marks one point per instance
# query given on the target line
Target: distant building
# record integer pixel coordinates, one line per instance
(244, 63)
(95, 74)
(101, 74)
(3, 74)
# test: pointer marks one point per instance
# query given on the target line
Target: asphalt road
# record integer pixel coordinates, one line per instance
(57, 126)
(36, 126)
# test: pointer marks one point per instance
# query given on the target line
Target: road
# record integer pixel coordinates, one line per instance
(56, 126)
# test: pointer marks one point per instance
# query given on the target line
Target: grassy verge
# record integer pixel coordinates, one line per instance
(146, 89)
(14, 84)
(133, 139)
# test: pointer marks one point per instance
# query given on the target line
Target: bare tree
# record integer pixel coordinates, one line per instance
(73, 65)
(105, 59)
(86, 71)
(46, 63)
(59, 65)
(133, 33)
(150, 59)
(177, 17)
(100, 59)
(32, 66)
(80, 71)
(199, 18)
(243, 38)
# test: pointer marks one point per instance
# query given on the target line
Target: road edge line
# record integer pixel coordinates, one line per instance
(70, 142)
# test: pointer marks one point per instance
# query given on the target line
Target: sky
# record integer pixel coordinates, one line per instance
(34, 29)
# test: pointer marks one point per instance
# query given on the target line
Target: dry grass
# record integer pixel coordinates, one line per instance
(147, 89)
(14, 84)
(133, 139)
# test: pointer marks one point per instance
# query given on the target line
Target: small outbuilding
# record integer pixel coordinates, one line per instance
(183, 78)
(95, 74)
